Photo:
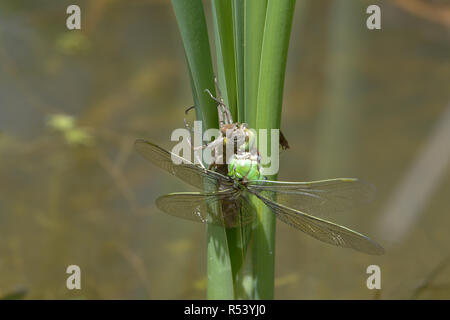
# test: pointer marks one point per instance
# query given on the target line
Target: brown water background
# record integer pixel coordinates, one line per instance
(357, 103)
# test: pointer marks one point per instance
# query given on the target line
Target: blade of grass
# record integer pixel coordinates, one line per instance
(224, 22)
(239, 31)
(222, 14)
(252, 38)
(191, 20)
(254, 21)
(239, 239)
(222, 84)
(192, 25)
(245, 15)
(275, 44)
(225, 51)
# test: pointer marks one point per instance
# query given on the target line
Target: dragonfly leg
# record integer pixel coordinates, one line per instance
(217, 86)
(188, 109)
(223, 111)
(220, 105)
(186, 124)
(219, 101)
(188, 127)
(226, 111)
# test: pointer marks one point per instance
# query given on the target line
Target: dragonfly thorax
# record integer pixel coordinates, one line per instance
(245, 167)
(235, 153)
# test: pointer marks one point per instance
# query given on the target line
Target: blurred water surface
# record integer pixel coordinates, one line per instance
(358, 103)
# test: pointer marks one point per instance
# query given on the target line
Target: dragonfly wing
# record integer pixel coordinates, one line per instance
(324, 230)
(221, 208)
(186, 171)
(318, 198)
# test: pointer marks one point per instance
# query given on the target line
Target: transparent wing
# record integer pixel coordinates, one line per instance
(318, 198)
(224, 208)
(186, 171)
(324, 230)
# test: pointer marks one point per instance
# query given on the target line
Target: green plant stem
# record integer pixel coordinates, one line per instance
(223, 16)
(238, 7)
(255, 17)
(269, 102)
(252, 39)
(229, 46)
(191, 20)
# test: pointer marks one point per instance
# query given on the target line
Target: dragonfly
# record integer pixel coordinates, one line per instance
(303, 205)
